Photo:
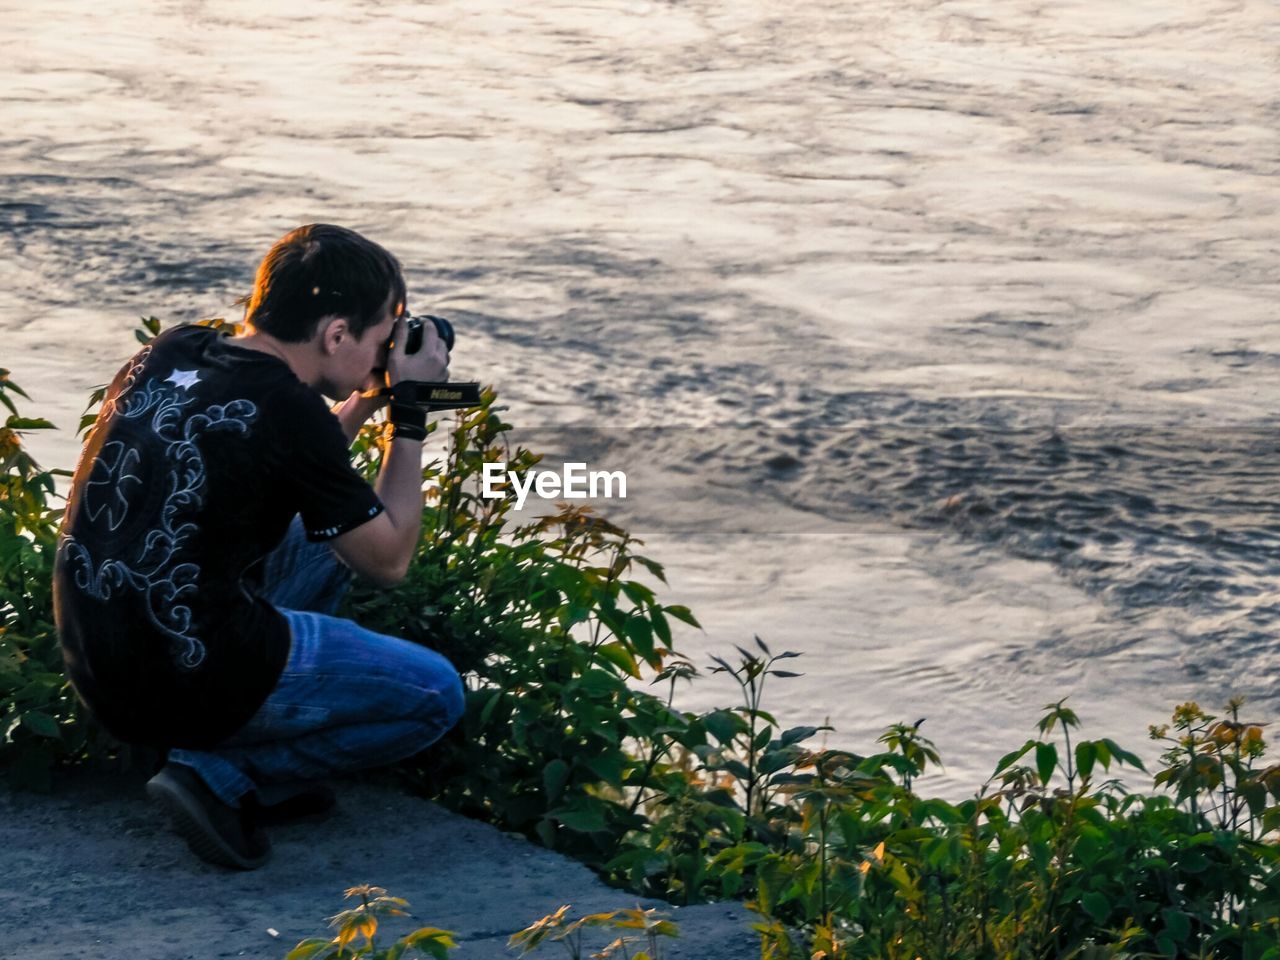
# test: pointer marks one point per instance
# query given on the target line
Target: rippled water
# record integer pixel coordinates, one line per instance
(939, 339)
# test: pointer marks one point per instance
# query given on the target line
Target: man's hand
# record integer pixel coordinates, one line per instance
(431, 362)
(355, 411)
(373, 383)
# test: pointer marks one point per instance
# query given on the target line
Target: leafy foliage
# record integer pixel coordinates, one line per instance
(41, 722)
(557, 627)
(362, 922)
(1045, 861)
(635, 926)
(549, 623)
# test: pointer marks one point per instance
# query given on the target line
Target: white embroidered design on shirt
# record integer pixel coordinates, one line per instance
(154, 572)
(183, 379)
(110, 482)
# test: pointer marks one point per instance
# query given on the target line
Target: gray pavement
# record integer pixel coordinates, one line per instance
(92, 871)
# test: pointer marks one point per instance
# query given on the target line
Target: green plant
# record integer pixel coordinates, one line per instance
(1051, 864)
(556, 928)
(362, 921)
(746, 732)
(556, 622)
(40, 719)
(549, 624)
(718, 791)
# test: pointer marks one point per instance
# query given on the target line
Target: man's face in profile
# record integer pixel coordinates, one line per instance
(360, 360)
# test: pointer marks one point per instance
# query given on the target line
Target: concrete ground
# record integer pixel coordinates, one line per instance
(93, 871)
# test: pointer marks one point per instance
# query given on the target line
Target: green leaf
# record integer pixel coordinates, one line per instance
(724, 725)
(1124, 755)
(661, 629)
(1046, 761)
(638, 593)
(1009, 758)
(1097, 906)
(1177, 924)
(600, 683)
(683, 614)
(554, 776)
(29, 423)
(546, 831)
(1103, 753)
(486, 712)
(722, 665)
(775, 760)
(1091, 845)
(10, 385)
(654, 568)
(1193, 862)
(1085, 756)
(307, 948)
(42, 724)
(582, 820)
(641, 634)
(430, 940)
(607, 766)
(618, 655)
(797, 734)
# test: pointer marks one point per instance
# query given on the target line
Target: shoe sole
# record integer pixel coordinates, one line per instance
(190, 822)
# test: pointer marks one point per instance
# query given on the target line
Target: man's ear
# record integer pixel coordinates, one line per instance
(333, 331)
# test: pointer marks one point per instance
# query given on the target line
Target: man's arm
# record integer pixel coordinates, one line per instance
(382, 548)
(355, 411)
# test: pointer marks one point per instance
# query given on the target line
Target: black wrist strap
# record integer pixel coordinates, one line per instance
(400, 432)
(407, 421)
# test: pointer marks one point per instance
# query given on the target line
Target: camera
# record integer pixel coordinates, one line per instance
(414, 328)
(440, 395)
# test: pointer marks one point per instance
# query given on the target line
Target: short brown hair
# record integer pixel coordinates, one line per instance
(320, 270)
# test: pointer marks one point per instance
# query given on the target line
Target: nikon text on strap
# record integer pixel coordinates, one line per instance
(433, 395)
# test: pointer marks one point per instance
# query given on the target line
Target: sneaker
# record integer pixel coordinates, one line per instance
(286, 803)
(215, 832)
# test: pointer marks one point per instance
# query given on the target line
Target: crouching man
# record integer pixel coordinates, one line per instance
(211, 528)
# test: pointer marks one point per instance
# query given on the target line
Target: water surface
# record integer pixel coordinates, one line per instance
(940, 337)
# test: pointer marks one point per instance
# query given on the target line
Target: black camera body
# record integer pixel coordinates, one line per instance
(414, 327)
(440, 395)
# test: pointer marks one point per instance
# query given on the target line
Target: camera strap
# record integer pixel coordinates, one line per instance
(434, 395)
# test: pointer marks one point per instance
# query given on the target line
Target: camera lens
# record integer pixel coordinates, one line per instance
(413, 335)
(445, 330)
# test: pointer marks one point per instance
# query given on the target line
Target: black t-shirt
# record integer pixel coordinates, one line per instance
(202, 454)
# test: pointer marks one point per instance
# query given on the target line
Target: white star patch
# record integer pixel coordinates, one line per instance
(186, 379)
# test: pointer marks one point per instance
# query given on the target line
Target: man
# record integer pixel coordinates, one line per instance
(210, 530)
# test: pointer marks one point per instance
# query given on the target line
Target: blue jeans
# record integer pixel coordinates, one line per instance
(348, 698)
